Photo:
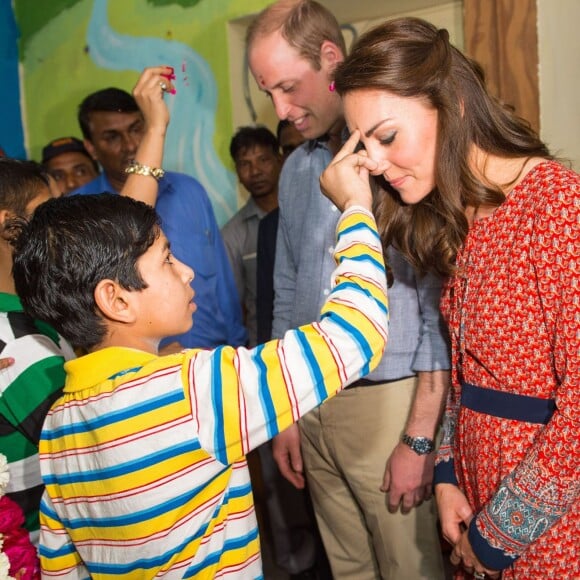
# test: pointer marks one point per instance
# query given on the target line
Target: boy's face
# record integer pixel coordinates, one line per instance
(166, 306)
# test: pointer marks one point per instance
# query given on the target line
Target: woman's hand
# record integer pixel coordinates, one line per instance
(455, 514)
(454, 511)
(152, 85)
(346, 180)
(464, 555)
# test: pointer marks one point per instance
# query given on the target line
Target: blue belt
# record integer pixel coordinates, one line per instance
(507, 405)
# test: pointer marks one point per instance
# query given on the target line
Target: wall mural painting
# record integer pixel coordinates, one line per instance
(50, 38)
(190, 136)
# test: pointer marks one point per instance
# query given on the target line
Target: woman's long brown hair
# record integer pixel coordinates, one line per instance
(410, 57)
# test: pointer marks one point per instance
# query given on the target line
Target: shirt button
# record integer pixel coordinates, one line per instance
(333, 207)
(326, 291)
(331, 250)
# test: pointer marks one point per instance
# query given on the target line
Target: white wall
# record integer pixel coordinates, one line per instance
(559, 76)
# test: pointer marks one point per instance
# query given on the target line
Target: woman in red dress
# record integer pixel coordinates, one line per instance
(464, 187)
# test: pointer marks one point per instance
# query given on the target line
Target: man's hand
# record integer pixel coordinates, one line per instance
(408, 478)
(288, 457)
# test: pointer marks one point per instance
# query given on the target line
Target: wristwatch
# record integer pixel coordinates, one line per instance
(420, 445)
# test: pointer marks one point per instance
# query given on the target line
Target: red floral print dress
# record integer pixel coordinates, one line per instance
(512, 424)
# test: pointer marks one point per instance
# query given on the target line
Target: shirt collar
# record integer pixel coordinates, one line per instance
(323, 140)
(10, 303)
(251, 209)
(102, 365)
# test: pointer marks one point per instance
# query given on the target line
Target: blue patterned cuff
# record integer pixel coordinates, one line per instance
(489, 556)
(445, 472)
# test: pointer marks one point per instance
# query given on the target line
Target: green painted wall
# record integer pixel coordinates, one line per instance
(58, 72)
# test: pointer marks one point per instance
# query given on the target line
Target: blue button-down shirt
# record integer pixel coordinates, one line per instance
(188, 221)
(418, 339)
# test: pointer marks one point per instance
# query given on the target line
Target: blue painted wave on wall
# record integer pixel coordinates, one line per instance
(189, 146)
(11, 131)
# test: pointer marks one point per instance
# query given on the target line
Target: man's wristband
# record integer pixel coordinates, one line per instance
(139, 169)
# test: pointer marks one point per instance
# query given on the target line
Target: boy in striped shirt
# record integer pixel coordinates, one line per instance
(143, 456)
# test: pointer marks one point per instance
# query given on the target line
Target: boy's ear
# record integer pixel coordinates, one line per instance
(330, 55)
(114, 301)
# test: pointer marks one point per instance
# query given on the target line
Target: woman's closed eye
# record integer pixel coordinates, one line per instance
(388, 139)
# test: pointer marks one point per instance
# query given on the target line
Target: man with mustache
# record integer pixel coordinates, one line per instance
(113, 127)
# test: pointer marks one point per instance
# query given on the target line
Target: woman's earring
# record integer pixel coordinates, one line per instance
(332, 87)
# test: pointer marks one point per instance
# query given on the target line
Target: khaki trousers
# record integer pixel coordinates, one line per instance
(345, 444)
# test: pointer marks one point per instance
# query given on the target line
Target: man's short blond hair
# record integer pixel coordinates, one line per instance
(304, 24)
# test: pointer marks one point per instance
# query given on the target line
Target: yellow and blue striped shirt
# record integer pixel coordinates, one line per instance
(143, 457)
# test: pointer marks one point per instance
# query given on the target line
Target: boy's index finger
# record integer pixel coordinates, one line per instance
(349, 146)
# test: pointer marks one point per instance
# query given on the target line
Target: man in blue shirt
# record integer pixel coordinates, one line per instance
(112, 127)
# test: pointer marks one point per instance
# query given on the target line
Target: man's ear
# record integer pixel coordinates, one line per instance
(330, 56)
(114, 302)
(90, 148)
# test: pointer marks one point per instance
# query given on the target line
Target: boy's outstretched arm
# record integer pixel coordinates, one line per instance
(245, 397)
(149, 94)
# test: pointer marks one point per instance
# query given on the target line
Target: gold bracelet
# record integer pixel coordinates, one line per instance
(137, 168)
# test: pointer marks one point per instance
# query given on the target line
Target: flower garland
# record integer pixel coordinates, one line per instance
(18, 559)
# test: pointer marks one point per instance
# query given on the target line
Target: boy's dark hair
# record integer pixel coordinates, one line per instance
(20, 182)
(110, 100)
(248, 137)
(68, 247)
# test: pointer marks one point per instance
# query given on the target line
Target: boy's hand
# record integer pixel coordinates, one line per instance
(346, 180)
(288, 457)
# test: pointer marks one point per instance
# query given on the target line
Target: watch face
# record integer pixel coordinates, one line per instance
(420, 445)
